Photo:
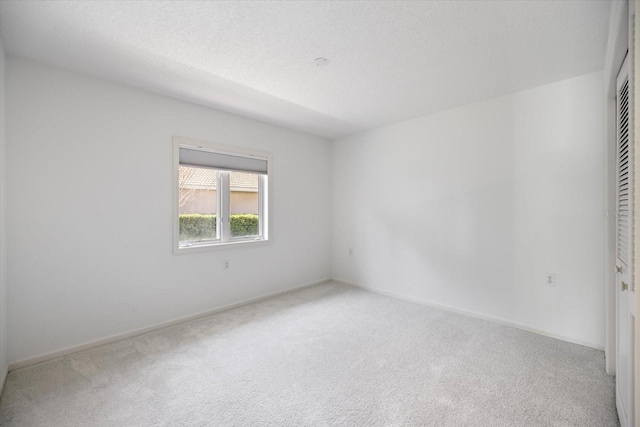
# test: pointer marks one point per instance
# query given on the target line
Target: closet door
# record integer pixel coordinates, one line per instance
(625, 294)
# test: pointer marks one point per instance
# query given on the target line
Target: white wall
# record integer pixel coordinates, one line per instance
(479, 203)
(4, 354)
(83, 267)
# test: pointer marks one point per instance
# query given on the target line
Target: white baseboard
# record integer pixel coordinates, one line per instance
(3, 377)
(113, 338)
(471, 314)
(73, 349)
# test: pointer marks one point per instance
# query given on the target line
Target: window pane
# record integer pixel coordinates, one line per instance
(244, 204)
(198, 204)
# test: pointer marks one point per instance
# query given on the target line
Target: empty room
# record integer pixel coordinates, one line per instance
(319, 213)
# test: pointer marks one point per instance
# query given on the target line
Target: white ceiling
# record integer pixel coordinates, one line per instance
(389, 61)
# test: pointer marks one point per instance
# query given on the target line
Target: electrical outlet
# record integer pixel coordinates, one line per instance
(225, 264)
(550, 279)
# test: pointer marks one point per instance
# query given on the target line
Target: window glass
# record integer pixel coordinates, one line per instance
(198, 204)
(244, 204)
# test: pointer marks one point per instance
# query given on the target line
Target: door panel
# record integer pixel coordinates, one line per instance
(625, 293)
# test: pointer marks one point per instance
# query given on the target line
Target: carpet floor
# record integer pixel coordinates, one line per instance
(328, 355)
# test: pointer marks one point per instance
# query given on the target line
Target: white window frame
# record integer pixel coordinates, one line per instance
(223, 217)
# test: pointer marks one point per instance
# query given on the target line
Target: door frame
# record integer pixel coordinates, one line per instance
(635, 69)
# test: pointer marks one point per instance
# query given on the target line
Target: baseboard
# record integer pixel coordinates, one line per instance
(73, 349)
(471, 314)
(3, 377)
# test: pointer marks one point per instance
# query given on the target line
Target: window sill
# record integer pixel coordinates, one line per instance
(215, 246)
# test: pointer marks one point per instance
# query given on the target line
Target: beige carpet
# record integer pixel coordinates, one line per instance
(324, 356)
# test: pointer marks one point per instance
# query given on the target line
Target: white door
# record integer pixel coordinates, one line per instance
(625, 295)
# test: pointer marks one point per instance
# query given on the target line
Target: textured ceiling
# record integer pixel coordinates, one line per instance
(389, 61)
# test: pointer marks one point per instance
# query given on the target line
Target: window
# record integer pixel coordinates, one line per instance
(221, 195)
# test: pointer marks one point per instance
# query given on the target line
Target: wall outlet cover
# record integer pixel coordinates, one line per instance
(550, 279)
